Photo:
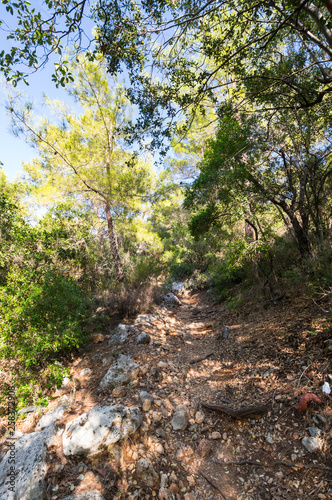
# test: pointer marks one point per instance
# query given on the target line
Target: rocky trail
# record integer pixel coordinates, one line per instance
(188, 402)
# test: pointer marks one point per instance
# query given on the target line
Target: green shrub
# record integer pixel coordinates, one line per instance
(41, 315)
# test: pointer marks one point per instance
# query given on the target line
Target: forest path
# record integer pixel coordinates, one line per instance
(188, 362)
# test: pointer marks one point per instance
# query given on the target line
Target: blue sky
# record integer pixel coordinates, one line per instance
(14, 151)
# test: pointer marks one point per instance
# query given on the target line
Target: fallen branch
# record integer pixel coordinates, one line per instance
(201, 358)
(274, 464)
(215, 485)
(240, 413)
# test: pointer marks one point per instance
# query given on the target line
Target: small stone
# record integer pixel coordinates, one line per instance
(189, 496)
(199, 417)
(293, 457)
(97, 338)
(66, 383)
(269, 438)
(180, 418)
(146, 472)
(160, 432)
(279, 475)
(174, 488)
(147, 400)
(326, 389)
(191, 481)
(159, 449)
(204, 448)
(225, 333)
(143, 338)
(119, 392)
(162, 364)
(224, 436)
(85, 371)
(216, 435)
(312, 443)
(314, 432)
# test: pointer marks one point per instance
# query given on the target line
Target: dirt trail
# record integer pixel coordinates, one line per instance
(270, 357)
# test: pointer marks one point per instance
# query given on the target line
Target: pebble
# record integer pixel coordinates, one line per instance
(159, 449)
(326, 389)
(146, 472)
(204, 448)
(312, 443)
(189, 496)
(191, 481)
(314, 432)
(98, 337)
(143, 338)
(119, 392)
(216, 435)
(147, 400)
(85, 371)
(180, 418)
(269, 438)
(199, 417)
(174, 488)
(160, 432)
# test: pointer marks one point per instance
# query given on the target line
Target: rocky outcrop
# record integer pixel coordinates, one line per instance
(121, 372)
(101, 427)
(23, 469)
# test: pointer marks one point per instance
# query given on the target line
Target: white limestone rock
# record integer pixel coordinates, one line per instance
(50, 417)
(102, 426)
(30, 467)
(121, 372)
(171, 299)
(120, 334)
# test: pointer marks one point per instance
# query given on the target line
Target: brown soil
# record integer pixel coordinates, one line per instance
(271, 357)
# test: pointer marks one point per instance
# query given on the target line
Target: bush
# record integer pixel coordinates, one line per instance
(40, 317)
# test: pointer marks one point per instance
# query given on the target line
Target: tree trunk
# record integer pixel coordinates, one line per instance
(114, 244)
(301, 236)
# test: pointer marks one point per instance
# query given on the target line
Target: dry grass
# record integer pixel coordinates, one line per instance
(129, 302)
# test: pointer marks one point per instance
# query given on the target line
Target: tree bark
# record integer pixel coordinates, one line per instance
(301, 236)
(114, 244)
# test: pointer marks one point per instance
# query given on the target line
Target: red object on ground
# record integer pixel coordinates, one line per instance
(305, 399)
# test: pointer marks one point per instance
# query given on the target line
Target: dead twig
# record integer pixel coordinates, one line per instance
(274, 464)
(240, 412)
(215, 485)
(201, 358)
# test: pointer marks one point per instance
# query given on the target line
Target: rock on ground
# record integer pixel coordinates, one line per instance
(146, 472)
(122, 371)
(180, 418)
(178, 287)
(147, 400)
(50, 417)
(87, 495)
(120, 334)
(143, 338)
(171, 299)
(312, 443)
(102, 426)
(30, 466)
(145, 318)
